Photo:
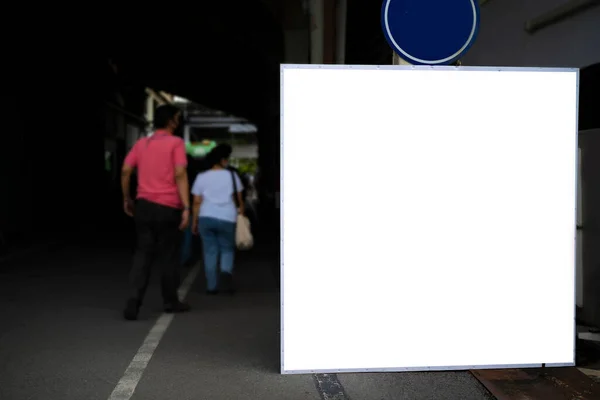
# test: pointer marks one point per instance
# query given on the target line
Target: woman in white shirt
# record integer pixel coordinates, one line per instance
(214, 218)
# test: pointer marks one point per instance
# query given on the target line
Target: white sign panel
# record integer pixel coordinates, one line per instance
(428, 218)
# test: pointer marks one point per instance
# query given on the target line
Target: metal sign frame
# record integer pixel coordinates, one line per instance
(281, 203)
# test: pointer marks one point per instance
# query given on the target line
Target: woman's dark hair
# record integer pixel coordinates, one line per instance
(164, 114)
(221, 152)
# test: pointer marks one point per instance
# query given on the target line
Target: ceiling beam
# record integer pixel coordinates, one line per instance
(560, 13)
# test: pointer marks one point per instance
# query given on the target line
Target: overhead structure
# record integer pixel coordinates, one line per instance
(559, 13)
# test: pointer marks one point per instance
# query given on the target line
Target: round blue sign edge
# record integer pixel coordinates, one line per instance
(413, 62)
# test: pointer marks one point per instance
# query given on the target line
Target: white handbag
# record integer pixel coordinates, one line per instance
(243, 233)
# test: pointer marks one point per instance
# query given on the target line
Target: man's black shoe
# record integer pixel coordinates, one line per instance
(178, 307)
(131, 310)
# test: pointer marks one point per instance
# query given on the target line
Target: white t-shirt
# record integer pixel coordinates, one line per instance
(216, 189)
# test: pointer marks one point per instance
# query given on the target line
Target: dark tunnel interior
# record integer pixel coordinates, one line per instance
(223, 55)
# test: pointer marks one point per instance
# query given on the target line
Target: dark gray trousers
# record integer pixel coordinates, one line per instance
(158, 242)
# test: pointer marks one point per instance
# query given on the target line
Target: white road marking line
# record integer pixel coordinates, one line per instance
(128, 383)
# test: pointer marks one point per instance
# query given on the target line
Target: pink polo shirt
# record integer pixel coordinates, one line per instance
(155, 158)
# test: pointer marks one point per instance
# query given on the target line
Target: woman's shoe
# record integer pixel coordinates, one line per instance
(227, 283)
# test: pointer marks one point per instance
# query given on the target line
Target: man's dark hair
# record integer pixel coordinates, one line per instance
(164, 114)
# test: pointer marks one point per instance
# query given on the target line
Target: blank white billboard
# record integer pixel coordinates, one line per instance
(428, 218)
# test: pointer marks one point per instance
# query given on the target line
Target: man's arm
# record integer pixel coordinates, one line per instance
(183, 186)
(181, 176)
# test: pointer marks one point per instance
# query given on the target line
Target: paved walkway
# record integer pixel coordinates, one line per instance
(62, 337)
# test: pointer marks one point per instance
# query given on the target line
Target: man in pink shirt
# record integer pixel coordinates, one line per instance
(162, 209)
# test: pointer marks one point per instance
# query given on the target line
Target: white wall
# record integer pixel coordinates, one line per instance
(503, 41)
(245, 151)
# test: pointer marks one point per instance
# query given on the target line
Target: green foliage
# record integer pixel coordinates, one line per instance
(246, 165)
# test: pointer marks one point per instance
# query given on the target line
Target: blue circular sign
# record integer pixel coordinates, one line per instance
(430, 32)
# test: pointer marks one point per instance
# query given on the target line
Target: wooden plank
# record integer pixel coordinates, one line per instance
(538, 383)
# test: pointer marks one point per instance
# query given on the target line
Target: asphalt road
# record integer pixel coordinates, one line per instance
(62, 338)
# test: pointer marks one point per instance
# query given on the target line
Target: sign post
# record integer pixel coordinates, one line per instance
(396, 60)
(430, 32)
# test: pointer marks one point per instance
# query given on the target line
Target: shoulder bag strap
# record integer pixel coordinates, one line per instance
(235, 190)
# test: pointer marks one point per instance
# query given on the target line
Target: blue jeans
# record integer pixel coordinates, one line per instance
(218, 240)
